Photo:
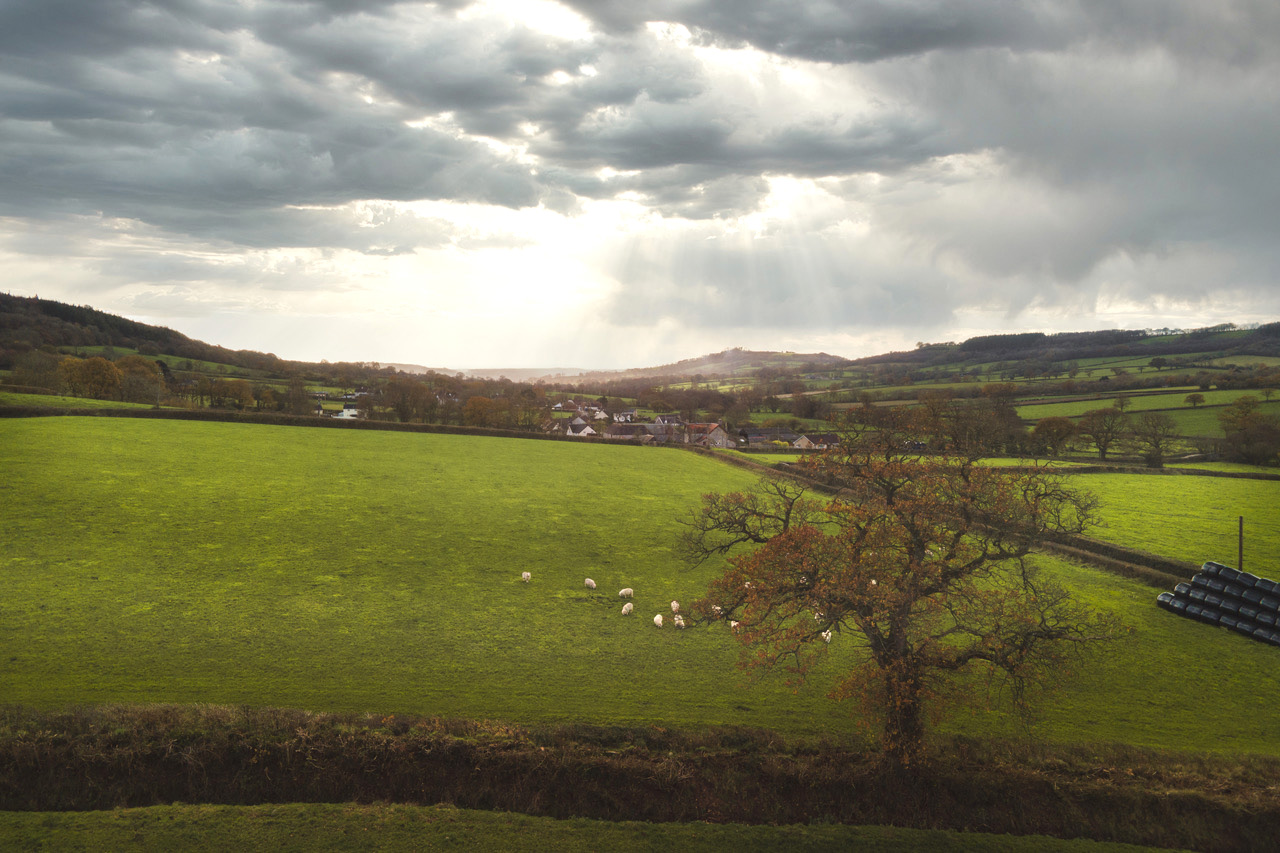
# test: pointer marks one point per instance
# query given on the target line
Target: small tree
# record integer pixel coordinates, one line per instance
(1194, 400)
(1154, 434)
(1251, 435)
(1053, 434)
(1103, 427)
(919, 562)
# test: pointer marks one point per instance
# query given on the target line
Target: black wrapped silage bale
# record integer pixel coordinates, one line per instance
(1208, 582)
(1265, 617)
(1253, 596)
(1182, 589)
(1234, 590)
(1229, 606)
(1211, 568)
(1246, 579)
(1266, 585)
(1197, 594)
(1246, 627)
(1226, 620)
(1165, 600)
(1248, 611)
(1270, 602)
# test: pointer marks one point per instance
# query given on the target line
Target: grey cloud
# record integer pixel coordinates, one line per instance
(801, 281)
(874, 30)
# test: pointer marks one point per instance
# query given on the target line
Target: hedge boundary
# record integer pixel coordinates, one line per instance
(133, 756)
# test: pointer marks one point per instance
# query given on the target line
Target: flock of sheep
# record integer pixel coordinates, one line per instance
(628, 608)
(676, 618)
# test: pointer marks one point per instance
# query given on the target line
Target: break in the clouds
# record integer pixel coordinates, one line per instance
(610, 184)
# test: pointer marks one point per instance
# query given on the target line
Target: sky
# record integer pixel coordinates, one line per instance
(612, 184)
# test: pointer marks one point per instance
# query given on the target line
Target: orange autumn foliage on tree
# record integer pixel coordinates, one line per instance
(918, 560)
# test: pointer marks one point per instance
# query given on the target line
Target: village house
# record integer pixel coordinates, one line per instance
(707, 435)
(766, 436)
(816, 441)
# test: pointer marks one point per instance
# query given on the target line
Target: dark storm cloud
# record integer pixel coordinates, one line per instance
(843, 32)
(872, 30)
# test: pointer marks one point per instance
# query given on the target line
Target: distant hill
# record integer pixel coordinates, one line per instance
(28, 323)
(515, 374)
(1224, 340)
(730, 362)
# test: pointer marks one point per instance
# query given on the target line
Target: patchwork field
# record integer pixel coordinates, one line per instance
(345, 570)
(1138, 403)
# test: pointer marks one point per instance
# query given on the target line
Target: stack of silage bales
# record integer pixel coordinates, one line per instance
(1228, 598)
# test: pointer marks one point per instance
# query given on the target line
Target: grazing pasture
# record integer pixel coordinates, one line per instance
(1190, 518)
(348, 570)
(15, 398)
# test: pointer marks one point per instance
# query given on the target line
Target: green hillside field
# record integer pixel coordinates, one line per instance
(1146, 402)
(1190, 518)
(342, 570)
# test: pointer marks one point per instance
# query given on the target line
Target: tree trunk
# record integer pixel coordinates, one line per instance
(903, 723)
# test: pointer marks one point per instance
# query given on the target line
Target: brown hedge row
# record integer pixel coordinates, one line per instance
(124, 756)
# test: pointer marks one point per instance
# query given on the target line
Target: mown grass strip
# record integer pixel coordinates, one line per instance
(342, 827)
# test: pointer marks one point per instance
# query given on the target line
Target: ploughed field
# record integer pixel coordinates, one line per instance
(151, 561)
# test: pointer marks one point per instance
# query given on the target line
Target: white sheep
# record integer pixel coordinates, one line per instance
(826, 636)
(589, 583)
(717, 609)
(626, 593)
(675, 606)
(679, 621)
(657, 620)
(526, 577)
(733, 624)
(627, 608)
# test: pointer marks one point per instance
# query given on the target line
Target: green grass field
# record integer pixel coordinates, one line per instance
(306, 827)
(363, 571)
(1190, 518)
(12, 398)
(1143, 403)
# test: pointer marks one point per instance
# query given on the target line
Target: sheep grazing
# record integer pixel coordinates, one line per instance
(626, 593)
(589, 583)
(526, 577)
(679, 621)
(657, 620)
(627, 608)
(733, 624)
(717, 609)
(675, 606)
(826, 636)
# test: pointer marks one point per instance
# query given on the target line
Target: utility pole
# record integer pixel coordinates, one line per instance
(1240, 546)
